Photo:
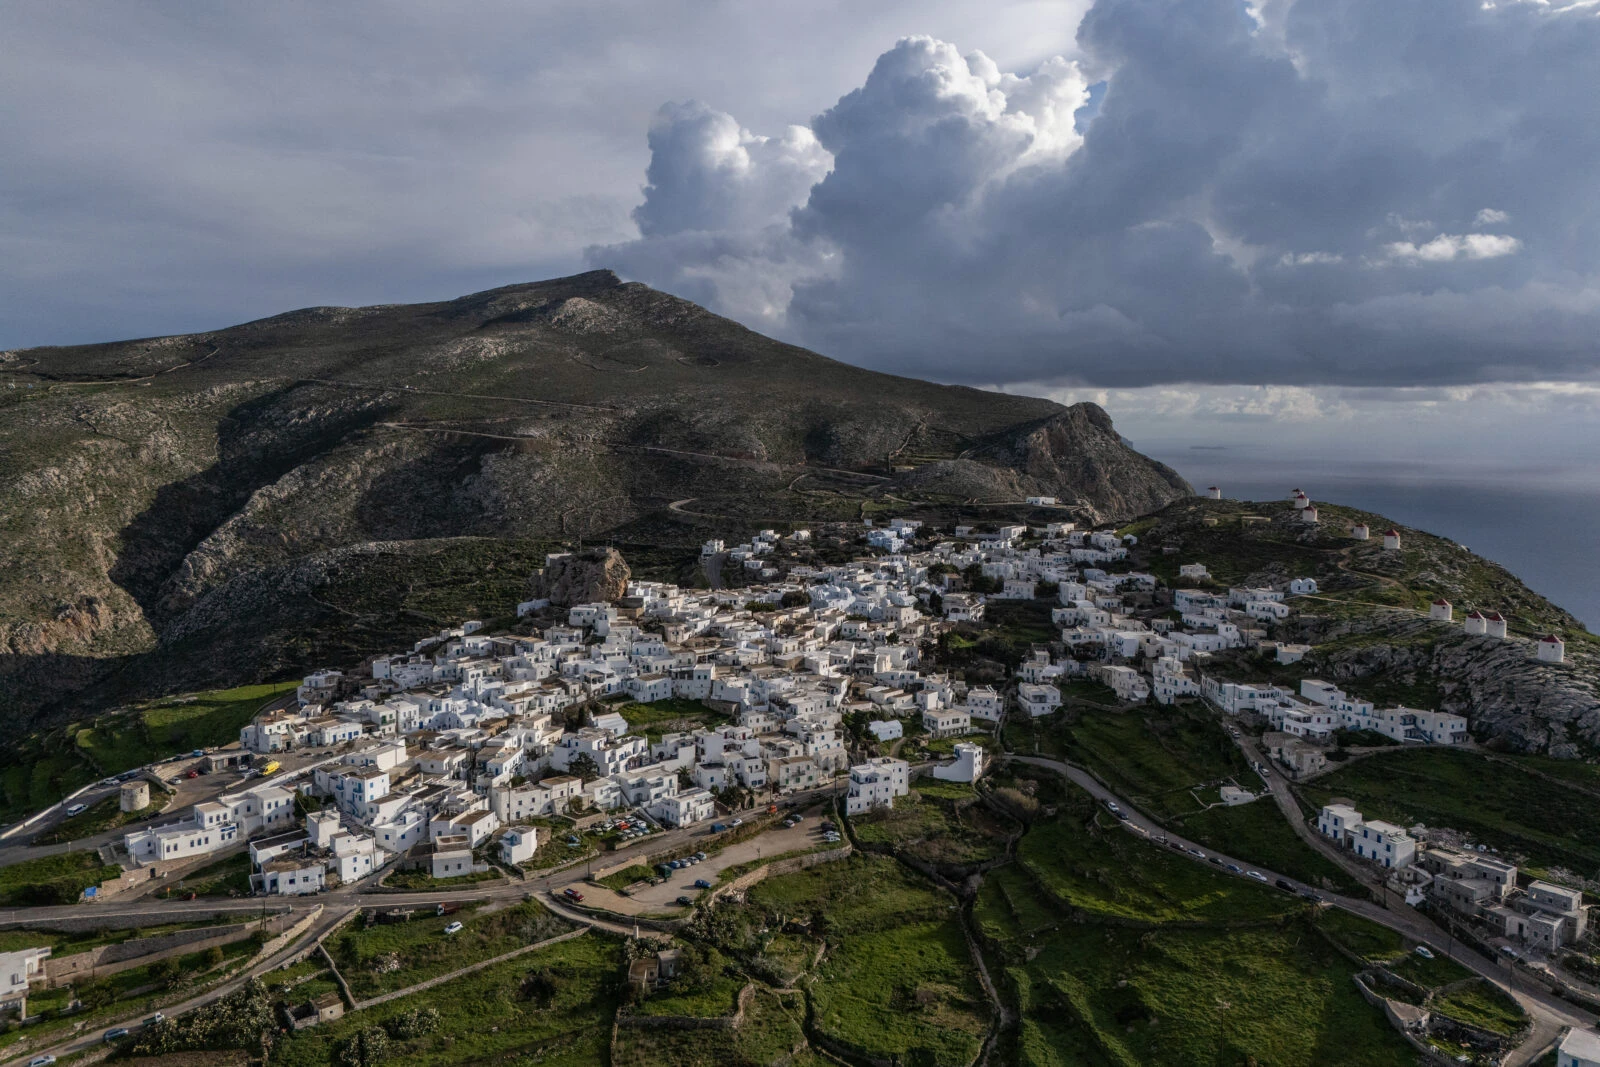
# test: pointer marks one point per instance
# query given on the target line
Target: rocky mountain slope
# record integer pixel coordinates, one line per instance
(217, 507)
(1369, 619)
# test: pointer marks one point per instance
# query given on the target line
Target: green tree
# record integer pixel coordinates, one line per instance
(584, 766)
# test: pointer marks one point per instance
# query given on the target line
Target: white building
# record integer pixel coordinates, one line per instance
(518, 844)
(1580, 1048)
(886, 729)
(291, 876)
(1038, 700)
(970, 762)
(1552, 649)
(1338, 821)
(1384, 844)
(1441, 610)
(17, 969)
(684, 809)
(1391, 540)
(984, 703)
(875, 784)
(946, 722)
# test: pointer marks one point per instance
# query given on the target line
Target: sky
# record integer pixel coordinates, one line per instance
(1339, 228)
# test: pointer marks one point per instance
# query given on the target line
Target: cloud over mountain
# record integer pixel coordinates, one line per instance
(1346, 191)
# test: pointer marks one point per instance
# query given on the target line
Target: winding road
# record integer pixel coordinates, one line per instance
(1548, 1012)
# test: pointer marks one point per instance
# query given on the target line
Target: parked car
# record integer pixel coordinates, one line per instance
(699, 857)
(1424, 952)
(571, 893)
(116, 1033)
(701, 883)
(453, 928)
(155, 1020)
(797, 817)
(685, 902)
(1257, 875)
(1286, 885)
(42, 1061)
(1233, 868)
(1311, 895)
(676, 865)
(718, 827)
(735, 822)
(77, 809)
(1197, 854)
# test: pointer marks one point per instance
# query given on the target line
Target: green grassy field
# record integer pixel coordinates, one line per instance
(769, 1033)
(1483, 1006)
(897, 979)
(229, 877)
(667, 716)
(1374, 943)
(1155, 757)
(938, 822)
(1088, 863)
(552, 1007)
(1499, 804)
(385, 957)
(52, 879)
(1229, 974)
(1258, 833)
(715, 999)
(116, 743)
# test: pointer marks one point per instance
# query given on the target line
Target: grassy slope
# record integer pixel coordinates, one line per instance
(486, 1018)
(1160, 960)
(897, 979)
(423, 951)
(1500, 804)
(43, 766)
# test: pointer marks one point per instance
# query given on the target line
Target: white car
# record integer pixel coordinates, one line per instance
(42, 1061)
(1423, 951)
(453, 928)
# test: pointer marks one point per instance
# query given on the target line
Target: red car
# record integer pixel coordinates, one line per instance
(571, 894)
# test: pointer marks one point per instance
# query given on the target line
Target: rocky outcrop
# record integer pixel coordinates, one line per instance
(1077, 456)
(582, 577)
(1511, 699)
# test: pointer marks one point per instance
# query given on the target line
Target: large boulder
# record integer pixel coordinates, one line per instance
(582, 577)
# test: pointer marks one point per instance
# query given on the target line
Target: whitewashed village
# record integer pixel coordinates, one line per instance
(474, 754)
(474, 746)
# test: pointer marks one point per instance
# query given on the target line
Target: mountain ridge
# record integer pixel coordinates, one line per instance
(146, 477)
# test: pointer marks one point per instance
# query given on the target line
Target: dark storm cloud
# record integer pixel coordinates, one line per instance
(1345, 191)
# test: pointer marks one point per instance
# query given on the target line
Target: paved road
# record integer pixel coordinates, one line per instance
(1548, 1012)
(93, 1037)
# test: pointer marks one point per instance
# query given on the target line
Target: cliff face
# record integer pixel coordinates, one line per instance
(1078, 454)
(584, 577)
(146, 485)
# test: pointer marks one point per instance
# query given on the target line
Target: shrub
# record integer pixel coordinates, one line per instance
(364, 1048)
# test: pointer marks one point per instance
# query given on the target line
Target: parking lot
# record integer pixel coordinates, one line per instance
(662, 898)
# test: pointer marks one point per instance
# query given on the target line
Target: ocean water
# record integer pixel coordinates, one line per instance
(1541, 524)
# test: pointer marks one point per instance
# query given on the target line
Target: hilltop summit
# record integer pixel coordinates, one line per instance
(160, 489)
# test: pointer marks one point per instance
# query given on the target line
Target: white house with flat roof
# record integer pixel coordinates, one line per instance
(875, 784)
(1384, 844)
(1580, 1048)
